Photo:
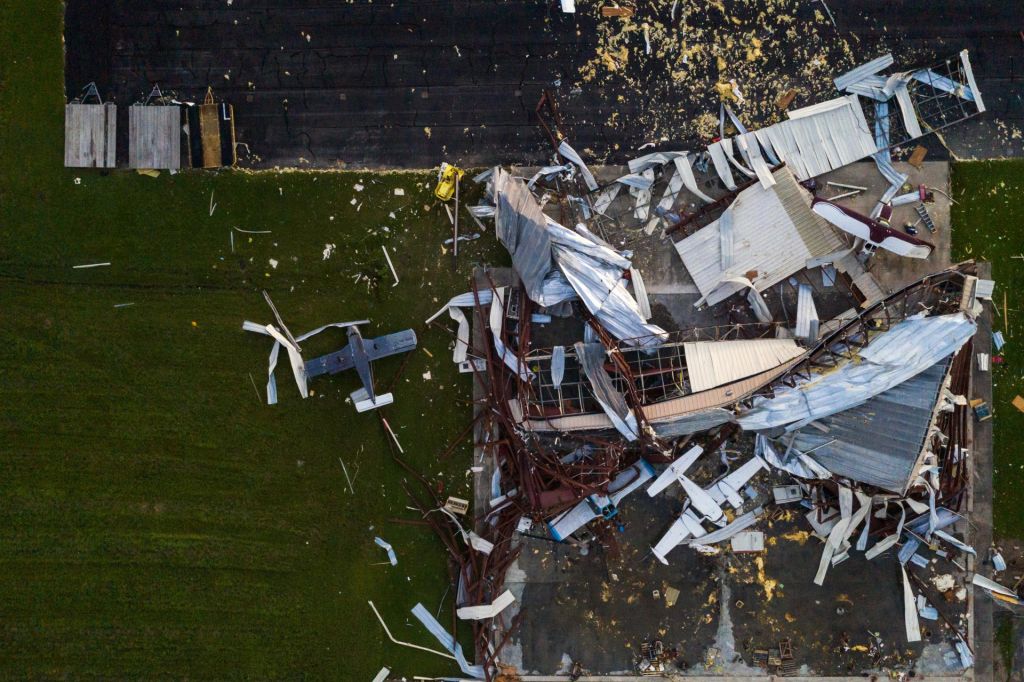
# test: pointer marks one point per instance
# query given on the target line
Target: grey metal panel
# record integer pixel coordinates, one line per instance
(879, 441)
(154, 137)
(695, 422)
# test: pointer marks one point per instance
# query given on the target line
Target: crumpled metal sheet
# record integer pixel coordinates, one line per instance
(892, 357)
(591, 267)
(521, 227)
(591, 357)
(566, 150)
(447, 641)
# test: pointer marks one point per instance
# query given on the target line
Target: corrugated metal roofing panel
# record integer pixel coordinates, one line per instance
(714, 363)
(806, 314)
(861, 72)
(879, 441)
(821, 137)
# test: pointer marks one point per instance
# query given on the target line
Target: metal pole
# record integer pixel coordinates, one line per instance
(455, 224)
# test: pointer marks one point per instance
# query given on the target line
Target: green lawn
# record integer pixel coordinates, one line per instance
(156, 518)
(988, 221)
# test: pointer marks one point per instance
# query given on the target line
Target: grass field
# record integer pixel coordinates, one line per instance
(988, 221)
(157, 519)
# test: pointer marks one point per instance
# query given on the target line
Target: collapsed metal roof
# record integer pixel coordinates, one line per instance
(771, 232)
(543, 250)
(879, 441)
(889, 359)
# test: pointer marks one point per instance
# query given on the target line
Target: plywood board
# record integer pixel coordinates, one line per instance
(209, 131)
(154, 137)
(90, 135)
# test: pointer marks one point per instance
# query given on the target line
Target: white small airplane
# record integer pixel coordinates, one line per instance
(706, 501)
(729, 486)
(605, 506)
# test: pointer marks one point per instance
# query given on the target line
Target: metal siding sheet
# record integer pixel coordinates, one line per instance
(966, 62)
(715, 363)
(910, 122)
(806, 313)
(721, 165)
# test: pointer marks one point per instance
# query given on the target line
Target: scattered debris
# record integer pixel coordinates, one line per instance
(390, 265)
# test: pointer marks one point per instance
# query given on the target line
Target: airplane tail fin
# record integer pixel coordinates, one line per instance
(361, 399)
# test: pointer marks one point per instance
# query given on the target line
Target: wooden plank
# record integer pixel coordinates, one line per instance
(209, 131)
(917, 157)
(785, 99)
(154, 137)
(110, 141)
(616, 11)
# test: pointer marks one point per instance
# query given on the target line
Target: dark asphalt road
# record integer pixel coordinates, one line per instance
(407, 84)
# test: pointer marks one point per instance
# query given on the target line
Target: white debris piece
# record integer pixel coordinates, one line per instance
(389, 549)
(910, 610)
(485, 611)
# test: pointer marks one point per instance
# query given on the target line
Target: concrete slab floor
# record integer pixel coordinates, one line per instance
(890, 270)
(599, 607)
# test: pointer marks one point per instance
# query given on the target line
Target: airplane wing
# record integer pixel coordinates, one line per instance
(701, 501)
(902, 247)
(390, 344)
(841, 219)
(686, 526)
(871, 230)
(674, 470)
(677, 532)
(728, 488)
(629, 480)
(571, 521)
(692, 524)
(332, 363)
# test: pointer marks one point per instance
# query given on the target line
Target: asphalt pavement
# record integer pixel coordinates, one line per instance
(330, 83)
